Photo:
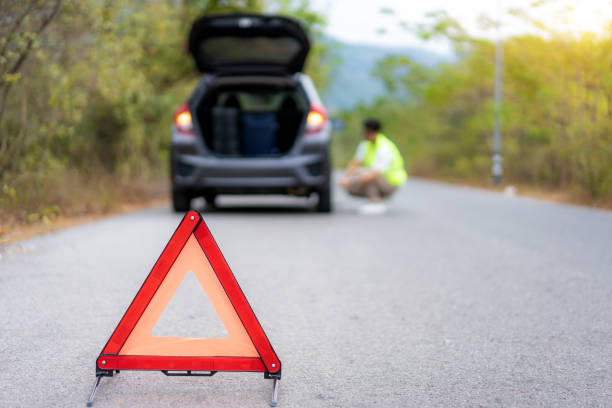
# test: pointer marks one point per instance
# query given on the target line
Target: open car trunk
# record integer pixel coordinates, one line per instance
(248, 43)
(251, 117)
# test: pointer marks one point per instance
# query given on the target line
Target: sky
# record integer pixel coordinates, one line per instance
(358, 21)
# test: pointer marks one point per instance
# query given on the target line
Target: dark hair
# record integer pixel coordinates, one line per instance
(372, 124)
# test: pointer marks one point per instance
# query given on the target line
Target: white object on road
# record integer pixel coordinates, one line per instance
(510, 191)
(372, 209)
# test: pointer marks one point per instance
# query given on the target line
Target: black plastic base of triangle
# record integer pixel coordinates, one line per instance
(273, 376)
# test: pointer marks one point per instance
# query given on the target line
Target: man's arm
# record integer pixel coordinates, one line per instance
(368, 176)
(363, 178)
(352, 167)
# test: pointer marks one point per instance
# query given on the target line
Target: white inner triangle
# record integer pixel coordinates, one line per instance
(190, 314)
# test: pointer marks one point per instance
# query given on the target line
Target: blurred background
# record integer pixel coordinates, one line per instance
(88, 89)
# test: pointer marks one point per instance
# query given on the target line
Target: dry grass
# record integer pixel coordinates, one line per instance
(83, 204)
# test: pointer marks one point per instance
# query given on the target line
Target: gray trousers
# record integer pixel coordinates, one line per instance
(374, 190)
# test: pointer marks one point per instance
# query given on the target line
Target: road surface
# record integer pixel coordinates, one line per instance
(455, 297)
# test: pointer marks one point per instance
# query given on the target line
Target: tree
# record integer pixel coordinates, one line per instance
(22, 24)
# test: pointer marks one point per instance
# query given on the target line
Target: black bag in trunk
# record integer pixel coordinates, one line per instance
(226, 131)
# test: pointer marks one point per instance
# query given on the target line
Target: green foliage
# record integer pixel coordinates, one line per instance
(556, 115)
(23, 23)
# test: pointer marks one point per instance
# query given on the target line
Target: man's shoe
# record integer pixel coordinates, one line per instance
(373, 209)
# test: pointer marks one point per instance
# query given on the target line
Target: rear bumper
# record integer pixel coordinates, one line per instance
(255, 175)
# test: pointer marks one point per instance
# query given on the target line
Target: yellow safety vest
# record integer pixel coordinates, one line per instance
(396, 173)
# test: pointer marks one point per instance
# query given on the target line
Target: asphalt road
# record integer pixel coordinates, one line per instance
(455, 297)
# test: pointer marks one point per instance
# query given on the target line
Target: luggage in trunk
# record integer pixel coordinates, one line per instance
(226, 132)
(259, 132)
(251, 117)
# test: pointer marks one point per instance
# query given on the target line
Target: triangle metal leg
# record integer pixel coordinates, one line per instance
(274, 393)
(93, 391)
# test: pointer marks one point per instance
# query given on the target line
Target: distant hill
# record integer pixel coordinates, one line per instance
(353, 82)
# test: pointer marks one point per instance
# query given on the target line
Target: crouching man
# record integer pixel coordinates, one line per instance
(376, 171)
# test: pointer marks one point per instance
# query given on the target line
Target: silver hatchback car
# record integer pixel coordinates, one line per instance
(254, 124)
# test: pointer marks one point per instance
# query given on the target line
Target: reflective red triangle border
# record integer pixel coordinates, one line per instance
(267, 362)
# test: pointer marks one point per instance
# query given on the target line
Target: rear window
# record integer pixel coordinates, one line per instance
(262, 101)
(231, 49)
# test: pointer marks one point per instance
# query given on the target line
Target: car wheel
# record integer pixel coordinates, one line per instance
(211, 199)
(181, 201)
(324, 205)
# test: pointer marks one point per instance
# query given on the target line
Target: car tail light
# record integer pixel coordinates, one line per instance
(182, 120)
(316, 119)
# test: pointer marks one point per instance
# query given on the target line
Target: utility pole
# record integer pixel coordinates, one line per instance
(497, 168)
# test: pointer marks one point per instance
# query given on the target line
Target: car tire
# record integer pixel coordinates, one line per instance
(181, 201)
(324, 205)
(211, 199)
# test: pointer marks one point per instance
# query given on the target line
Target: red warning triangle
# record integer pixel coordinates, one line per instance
(132, 346)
